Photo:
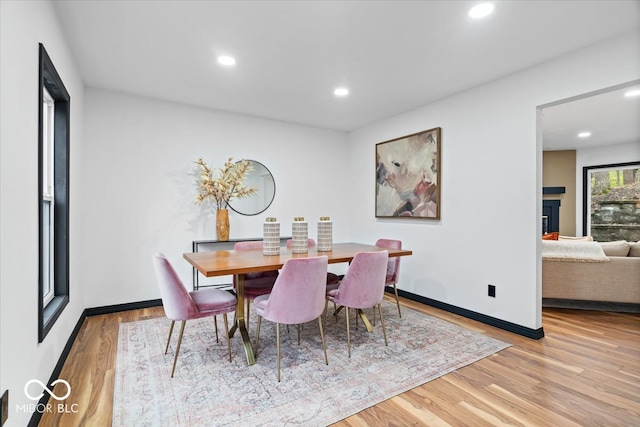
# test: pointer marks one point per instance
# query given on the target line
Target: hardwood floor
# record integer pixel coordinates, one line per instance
(584, 372)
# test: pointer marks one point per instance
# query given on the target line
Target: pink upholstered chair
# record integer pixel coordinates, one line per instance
(362, 287)
(298, 296)
(180, 304)
(255, 284)
(393, 267)
(332, 279)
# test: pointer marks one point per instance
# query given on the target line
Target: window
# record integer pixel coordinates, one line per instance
(53, 161)
(48, 106)
(611, 196)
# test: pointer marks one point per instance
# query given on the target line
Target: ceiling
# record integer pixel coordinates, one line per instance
(393, 56)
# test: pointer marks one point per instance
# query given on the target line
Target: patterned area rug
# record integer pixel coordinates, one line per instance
(207, 390)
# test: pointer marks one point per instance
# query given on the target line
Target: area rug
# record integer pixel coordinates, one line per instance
(207, 390)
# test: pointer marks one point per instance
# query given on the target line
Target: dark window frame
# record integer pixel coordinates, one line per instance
(586, 188)
(48, 77)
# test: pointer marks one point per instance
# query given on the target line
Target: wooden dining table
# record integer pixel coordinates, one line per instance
(239, 263)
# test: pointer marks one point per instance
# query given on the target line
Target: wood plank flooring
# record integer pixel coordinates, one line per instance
(585, 372)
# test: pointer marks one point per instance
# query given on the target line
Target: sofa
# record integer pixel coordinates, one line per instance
(584, 274)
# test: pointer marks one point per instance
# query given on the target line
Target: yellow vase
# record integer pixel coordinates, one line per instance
(222, 224)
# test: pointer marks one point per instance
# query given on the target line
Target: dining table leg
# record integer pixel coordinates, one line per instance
(240, 321)
(365, 320)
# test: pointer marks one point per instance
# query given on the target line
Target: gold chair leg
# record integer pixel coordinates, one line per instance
(226, 330)
(278, 347)
(395, 289)
(348, 334)
(324, 313)
(248, 314)
(175, 359)
(173, 322)
(324, 345)
(384, 332)
(255, 350)
(215, 325)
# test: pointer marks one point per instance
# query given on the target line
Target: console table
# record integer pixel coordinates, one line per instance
(219, 245)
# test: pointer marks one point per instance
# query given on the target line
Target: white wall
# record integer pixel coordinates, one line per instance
(139, 195)
(491, 183)
(611, 154)
(22, 26)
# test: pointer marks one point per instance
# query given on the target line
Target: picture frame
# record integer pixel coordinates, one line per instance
(408, 176)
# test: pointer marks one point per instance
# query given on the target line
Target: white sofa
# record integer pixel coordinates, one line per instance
(607, 272)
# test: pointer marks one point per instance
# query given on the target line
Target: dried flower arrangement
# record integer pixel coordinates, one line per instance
(224, 184)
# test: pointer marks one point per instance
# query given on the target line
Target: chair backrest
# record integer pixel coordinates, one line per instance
(310, 243)
(393, 266)
(363, 284)
(176, 300)
(251, 278)
(248, 246)
(298, 296)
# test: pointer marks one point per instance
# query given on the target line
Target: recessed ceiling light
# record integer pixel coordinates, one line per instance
(341, 91)
(634, 92)
(584, 134)
(226, 60)
(481, 10)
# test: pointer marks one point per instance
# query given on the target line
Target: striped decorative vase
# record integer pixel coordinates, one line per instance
(300, 236)
(271, 237)
(325, 233)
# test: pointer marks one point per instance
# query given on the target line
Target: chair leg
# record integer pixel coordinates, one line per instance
(298, 327)
(348, 334)
(175, 359)
(324, 345)
(248, 314)
(215, 325)
(255, 350)
(384, 331)
(226, 330)
(173, 322)
(278, 347)
(324, 313)
(395, 289)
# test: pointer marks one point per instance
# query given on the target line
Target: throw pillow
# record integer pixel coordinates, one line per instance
(550, 236)
(617, 248)
(634, 249)
(580, 239)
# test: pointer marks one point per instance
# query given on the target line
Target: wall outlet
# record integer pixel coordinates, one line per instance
(4, 407)
(492, 291)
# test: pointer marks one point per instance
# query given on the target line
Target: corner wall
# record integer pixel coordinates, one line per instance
(140, 191)
(24, 24)
(559, 170)
(491, 155)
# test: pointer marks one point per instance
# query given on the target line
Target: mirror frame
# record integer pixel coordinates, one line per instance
(255, 162)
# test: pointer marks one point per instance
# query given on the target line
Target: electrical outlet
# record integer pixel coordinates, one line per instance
(4, 407)
(492, 291)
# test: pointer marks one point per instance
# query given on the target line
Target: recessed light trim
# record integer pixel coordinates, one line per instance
(584, 134)
(631, 93)
(341, 91)
(226, 60)
(481, 10)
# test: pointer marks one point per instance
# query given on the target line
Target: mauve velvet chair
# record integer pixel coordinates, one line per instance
(333, 280)
(393, 267)
(180, 304)
(362, 287)
(255, 284)
(298, 296)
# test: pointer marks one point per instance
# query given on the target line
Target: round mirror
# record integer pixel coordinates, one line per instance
(260, 178)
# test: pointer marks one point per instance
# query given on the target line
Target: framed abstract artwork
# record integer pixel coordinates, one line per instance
(408, 176)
